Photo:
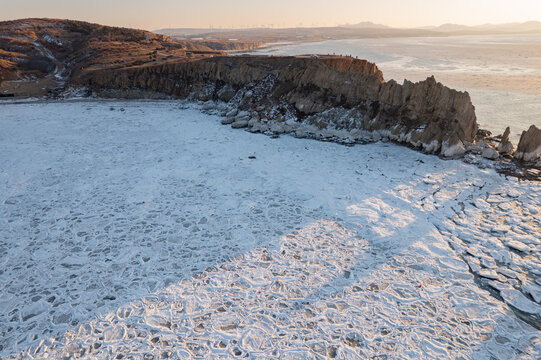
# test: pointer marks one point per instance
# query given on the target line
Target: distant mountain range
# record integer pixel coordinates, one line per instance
(526, 27)
(347, 31)
(366, 25)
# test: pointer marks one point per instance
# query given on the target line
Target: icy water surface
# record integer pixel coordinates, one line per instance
(502, 73)
(146, 229)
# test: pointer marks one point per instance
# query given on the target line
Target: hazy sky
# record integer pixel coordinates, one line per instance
(155, 14)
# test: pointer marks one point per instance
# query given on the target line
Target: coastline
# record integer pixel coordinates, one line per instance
(504, 166)
(487, 77)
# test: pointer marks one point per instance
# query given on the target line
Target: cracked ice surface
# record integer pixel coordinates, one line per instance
(143, 229)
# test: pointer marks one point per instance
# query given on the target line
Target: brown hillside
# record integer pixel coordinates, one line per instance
(47, 53)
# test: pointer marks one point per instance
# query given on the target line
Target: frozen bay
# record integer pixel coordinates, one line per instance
(146, 228)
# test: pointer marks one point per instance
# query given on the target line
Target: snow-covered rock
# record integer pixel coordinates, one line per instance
(529, 146)
(239, 124)
(226, 93)
(452, 148)
(253, 121)
(209, 105)
(490, 153)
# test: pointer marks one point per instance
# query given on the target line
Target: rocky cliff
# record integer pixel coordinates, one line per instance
(220, 45)
(295, 94)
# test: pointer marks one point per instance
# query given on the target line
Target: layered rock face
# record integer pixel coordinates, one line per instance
(428, 114)
(292, 94)
(529, 146)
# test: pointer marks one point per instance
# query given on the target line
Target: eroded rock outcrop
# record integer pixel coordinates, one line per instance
(529, 146)
(506, 147)
(294, 94)
(432, 115)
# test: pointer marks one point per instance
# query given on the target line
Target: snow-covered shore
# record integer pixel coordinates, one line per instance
(147, 228)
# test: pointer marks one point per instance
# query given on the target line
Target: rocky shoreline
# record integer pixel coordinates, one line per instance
(320, 96)
(331, 98)
(479, 154)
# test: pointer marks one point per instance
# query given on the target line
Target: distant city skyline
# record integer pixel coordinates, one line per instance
(153, 15)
